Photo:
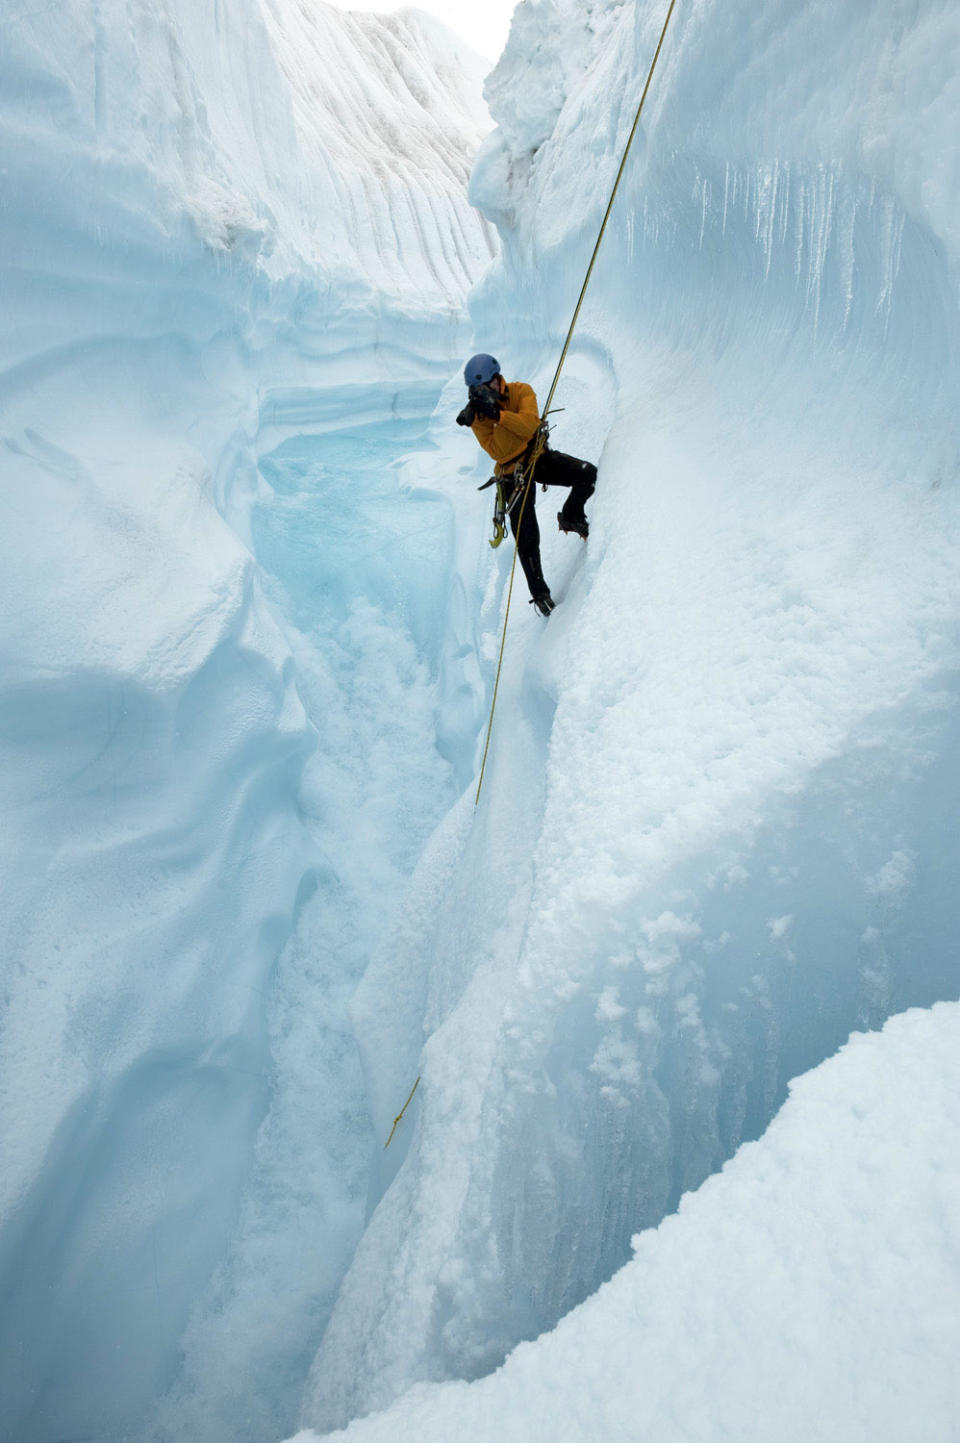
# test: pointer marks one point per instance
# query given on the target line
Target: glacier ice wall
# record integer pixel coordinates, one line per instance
(716, 834)
(234, 246)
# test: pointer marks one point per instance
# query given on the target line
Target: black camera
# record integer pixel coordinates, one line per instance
(485, 402)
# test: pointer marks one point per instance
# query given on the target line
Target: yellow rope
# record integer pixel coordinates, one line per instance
(503, 638)
(399, 1117)
(541, 439)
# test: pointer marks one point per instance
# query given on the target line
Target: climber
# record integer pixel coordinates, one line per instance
(505, 420)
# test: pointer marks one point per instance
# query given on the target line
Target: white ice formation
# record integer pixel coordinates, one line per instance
(223, 227)
(249, 630)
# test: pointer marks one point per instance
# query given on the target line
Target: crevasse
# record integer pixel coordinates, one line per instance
(249, 628)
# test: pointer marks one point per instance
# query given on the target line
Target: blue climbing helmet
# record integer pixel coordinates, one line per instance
(480, 370)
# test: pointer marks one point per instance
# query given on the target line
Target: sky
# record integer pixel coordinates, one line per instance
(482, 23)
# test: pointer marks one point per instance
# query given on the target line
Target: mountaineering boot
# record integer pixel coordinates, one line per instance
(577, 524)
(543, 601)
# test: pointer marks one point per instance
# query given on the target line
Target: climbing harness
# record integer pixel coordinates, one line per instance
(399, 1117)
(507, 498)
(540, 440)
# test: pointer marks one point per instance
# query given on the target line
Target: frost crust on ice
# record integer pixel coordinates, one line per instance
(808, 1293)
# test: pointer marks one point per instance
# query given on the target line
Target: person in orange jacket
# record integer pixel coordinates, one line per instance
(505, 420)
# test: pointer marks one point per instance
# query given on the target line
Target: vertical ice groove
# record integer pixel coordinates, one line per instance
(847, 258)
(821, 222)
(704, 186)
(800, 224)
(771, 217)
(762, 202)
(99, 79)
(891, 241)
(785, 193)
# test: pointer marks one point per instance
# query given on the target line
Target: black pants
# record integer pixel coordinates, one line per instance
(553, 469)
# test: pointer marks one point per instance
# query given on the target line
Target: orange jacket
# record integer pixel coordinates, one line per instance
(507, 439)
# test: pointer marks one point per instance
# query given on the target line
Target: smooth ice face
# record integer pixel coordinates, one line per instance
(716, 833)
(234, 248)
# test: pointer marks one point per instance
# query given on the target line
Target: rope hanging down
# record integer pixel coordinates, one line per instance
(541, 438)
(399, 1117)
(541, 442)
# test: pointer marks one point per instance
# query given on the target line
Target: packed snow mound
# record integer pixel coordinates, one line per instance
(716, 832)
(807, 1294)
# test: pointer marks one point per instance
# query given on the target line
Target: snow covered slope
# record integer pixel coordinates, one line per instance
(222, 226)
(718, 828)
(807, 1294)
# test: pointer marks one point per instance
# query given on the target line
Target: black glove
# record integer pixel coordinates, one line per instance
(466, 416)
(485, 402)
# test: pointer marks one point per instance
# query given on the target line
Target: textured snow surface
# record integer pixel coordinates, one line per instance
(807, 1294)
